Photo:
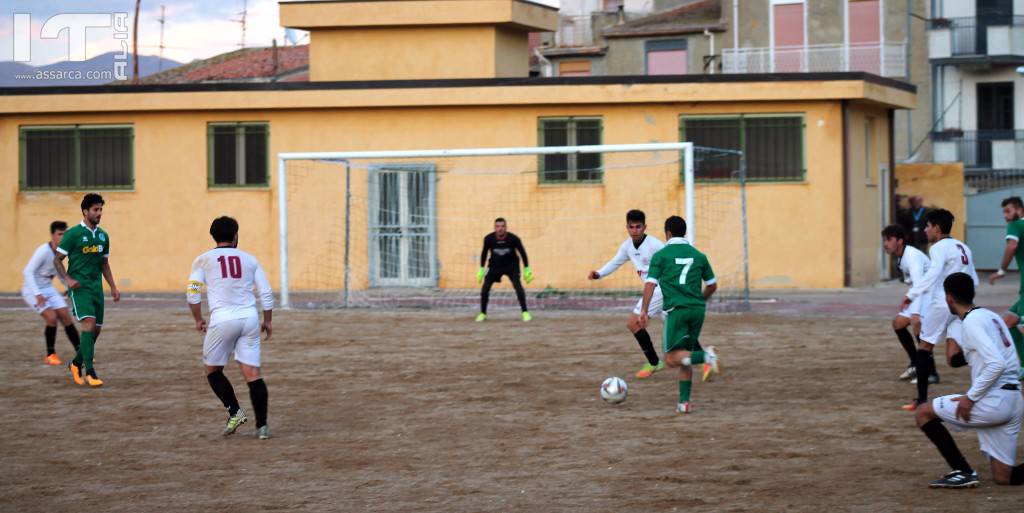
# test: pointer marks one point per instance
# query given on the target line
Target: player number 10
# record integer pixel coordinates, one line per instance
(232, 266)
(686, 263)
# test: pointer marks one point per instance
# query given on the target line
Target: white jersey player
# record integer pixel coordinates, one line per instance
(913, 264)
(639, 248)
(993, 405)
(39, 294)
(229, 276)
(947, 256)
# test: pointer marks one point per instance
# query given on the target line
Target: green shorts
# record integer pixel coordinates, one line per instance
(87, 302)
(1018, 308)
(682, 329)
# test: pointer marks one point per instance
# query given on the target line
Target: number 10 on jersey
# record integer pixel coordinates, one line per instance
(231, 266)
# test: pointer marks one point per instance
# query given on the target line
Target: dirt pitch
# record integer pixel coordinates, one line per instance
(427, 411)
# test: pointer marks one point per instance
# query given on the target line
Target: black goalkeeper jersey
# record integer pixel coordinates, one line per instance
(503, 252)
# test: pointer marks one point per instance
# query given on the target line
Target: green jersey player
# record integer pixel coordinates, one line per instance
(86, 246)
(687, 281)
(1013, 207)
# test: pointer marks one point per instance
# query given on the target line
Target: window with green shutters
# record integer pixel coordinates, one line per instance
(76, 157)
(570, 168)
(238, 154)
(773, 146)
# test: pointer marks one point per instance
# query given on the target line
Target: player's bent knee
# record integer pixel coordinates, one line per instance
(924, 414)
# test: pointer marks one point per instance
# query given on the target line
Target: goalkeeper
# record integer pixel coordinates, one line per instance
(502, 245)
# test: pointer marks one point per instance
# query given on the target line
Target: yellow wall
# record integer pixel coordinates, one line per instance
(941, 185)
(868, 150)
(401, 53)
(158, 228)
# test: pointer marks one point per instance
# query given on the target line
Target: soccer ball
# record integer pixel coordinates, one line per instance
(614, 390)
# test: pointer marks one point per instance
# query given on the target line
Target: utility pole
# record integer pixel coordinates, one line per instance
(161, 64)
(244, 13)
(135, 44)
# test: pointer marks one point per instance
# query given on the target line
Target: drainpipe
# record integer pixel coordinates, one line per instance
(711, 36)
(735, 35)
(546, 68)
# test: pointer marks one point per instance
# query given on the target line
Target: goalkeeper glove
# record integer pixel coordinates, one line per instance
(527, 274)
(480, 275)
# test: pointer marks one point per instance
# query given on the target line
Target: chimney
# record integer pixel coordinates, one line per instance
(418, 39)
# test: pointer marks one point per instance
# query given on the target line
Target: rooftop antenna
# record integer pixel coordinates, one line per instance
(135, 44)
(161, 64)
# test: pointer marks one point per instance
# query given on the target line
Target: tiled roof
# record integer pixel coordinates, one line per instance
(245, 65)
(693, 17)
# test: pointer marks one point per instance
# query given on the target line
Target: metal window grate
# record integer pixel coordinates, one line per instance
(76, 157)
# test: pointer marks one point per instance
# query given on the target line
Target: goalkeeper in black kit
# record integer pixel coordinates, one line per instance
(504, 248)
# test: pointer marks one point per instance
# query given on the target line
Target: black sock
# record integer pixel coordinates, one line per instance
(1017, 476)
(258, 395)
(644, 339)
(72, 334)
(925, 363)
(907, 341)
(940, 436)
(225, 392)
(50, 333)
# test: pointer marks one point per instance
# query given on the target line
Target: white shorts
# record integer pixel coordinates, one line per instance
(54, 300)
(655, 308)
(996, 417)
(913, 309)
(934, 321)
(238, 336)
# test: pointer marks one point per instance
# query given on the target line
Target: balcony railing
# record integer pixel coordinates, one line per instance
(970, 36)
(981, 149)
(888, 59)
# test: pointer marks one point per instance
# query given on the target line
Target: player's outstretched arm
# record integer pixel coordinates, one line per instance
(620, 258)
(930, 278)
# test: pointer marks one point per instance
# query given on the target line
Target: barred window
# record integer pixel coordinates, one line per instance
(773, 146)
(582, 167)
(238, 154)
(76, 157)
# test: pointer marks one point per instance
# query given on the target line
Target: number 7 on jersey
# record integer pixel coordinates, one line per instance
(686, 263)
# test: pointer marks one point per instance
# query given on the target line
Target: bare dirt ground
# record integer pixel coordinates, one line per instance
(428, 411)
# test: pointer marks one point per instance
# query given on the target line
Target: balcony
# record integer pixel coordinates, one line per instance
(992, 36)
(885, 59)
(574, 31)
(981, 149)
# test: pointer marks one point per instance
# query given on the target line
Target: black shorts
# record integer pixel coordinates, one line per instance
(494, 274)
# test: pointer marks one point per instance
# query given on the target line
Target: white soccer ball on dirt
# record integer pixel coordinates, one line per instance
(614, 390)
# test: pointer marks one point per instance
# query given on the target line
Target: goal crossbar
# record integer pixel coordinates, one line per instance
(344, 156)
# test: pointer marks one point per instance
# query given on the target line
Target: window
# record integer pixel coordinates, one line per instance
(773, 145)
(865, 36)
(238, 154)
(76, 157)
(581, 167)
(665, 57)
(574, 69)
(787, 27)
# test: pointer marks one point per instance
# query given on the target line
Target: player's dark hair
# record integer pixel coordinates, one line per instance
(224, 229)
(1015, 201)
(894, 231)
(941, 218)
(57, 226)
(961, 287)
(501, 220)
(676, 226)
(636, 216)
(92, 199)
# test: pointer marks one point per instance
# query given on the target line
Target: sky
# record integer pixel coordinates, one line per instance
(194, 29)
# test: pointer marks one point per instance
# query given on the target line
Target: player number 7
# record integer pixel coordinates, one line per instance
(686, 263)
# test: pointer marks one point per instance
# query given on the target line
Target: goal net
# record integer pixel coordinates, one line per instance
(405, 228)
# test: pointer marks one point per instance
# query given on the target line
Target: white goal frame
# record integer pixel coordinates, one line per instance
(345, 156)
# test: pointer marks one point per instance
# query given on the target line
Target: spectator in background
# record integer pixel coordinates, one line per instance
(915, 223)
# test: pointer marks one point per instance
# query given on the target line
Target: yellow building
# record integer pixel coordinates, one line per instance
(448, 74)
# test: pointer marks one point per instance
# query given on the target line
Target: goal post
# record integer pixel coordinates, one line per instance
(323, 184)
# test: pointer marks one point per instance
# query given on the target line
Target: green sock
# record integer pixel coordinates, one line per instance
(1018, 342)
(695, 358)
(684, 391)
(85, 349)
